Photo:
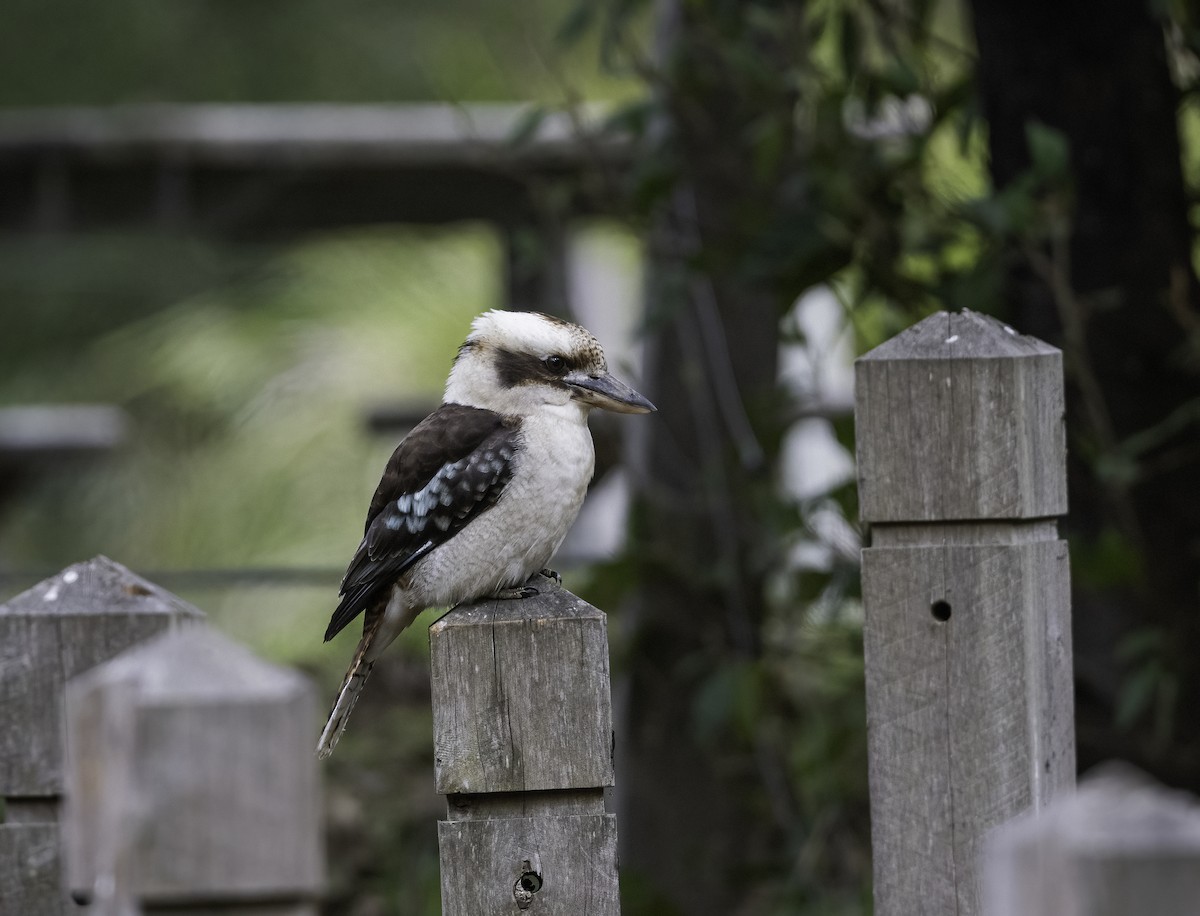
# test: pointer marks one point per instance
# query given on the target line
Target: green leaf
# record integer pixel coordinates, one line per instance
(576, 23)
(966, 124)
(1144, 642)
(1118, 469)
(1048, 150)
(652, 180)
(1137, 695)
(527, 125)
(1110, 560)
(900, 78)
(990, 214)
(768, 140)
(631, 117)
(731, 697)
(851, 44)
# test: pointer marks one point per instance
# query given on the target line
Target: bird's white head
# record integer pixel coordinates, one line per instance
(520, 363)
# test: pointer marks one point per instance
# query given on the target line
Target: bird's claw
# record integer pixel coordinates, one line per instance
(512, 594)
(528, 590)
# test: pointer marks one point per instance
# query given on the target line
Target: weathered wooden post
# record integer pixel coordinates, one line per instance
(961, 472)
(191, 783)
(1121, 846)
(523, 742)
(87, 613)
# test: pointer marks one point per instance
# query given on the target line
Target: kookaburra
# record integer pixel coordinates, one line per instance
(479, 496)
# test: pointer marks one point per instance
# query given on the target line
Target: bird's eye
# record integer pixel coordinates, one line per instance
(555, 364)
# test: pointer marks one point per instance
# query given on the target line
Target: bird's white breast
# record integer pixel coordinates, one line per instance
(517, 536)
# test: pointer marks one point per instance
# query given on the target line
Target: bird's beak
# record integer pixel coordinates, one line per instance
(606, 392)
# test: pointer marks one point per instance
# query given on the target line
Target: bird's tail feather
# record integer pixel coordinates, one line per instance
(352, 685)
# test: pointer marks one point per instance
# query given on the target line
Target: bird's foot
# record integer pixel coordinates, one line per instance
(512, 594)
(528, 590)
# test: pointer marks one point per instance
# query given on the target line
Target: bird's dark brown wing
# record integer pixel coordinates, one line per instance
(452, 466)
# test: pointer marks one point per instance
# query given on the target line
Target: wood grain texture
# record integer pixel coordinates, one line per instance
(1121, 846)
(574, 857)
(191, 777)
(969, 719)
(523, 741)
(31, 871)
(967, 601)
(87, 613)
(521, 698)
(959, 418)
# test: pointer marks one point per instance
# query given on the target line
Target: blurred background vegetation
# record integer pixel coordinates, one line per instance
(887, 159)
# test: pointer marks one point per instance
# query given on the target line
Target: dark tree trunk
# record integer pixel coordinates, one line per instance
(1096, 70)
(693, 825)
(696, 811)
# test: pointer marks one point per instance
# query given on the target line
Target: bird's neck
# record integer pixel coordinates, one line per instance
(570, 411)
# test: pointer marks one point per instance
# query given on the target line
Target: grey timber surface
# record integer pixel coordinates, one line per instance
(61, 627)
(966, 591)
(523, 743)
(191, 779)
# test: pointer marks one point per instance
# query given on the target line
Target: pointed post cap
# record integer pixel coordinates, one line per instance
(59, 628)
(190, 775)
(960, 418)
(956, 336)
(97, 586)
(198, 663)
(1122, 845)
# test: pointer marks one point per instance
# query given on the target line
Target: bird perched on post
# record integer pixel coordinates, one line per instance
(479, 496)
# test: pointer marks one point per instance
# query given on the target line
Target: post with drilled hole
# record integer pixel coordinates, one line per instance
(59, 628)
(962, 475)
(523, 742)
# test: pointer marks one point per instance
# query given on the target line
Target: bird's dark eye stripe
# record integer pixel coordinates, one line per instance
(515, 367)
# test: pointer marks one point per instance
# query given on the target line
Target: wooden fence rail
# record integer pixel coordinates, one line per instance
(961, 470)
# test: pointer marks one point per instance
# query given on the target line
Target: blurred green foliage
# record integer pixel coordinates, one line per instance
(247, 398)
(58, 52)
